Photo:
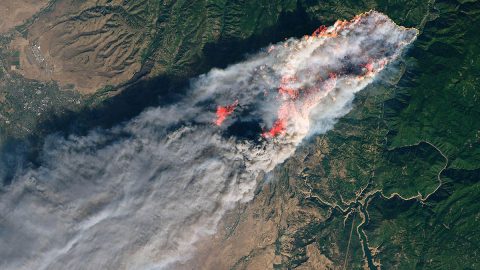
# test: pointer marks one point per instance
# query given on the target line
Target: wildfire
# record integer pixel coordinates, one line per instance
(320, 31)
(296, 97)
(224, 111)
(279, 127)
(289, 92)
(286, 89)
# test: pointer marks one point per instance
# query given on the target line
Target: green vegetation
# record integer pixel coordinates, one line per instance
(185, 31)
(404, 138)
(444, 234)
(31, 102)
(408, 139)
(410, 170)
(184, 28)
(443, 106)
(181, 39)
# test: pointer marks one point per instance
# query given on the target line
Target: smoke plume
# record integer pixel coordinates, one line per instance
(138, 196)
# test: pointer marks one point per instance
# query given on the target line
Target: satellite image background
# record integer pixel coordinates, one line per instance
(390, 183)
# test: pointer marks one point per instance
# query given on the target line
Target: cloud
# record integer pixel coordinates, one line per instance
(138, 196)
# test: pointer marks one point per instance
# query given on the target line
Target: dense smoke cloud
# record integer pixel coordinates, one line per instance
(139, 195)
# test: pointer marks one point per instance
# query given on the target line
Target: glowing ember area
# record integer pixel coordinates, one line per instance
(320, 31)
(224, 111)
(298, 99)
(302, 74)
(278, 128)
(287, 89)
(297, 76)
(179, 173)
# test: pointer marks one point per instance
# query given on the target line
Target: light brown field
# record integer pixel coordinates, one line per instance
(15, 12)
(248, 236)
(77, 44)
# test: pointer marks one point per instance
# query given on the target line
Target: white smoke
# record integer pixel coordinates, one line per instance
(139, 195)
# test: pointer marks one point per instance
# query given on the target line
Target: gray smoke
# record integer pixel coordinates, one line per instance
(138, 196)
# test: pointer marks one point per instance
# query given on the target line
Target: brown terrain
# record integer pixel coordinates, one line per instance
(259, 235)
(83, 45)
(288, 225)
(13, 13)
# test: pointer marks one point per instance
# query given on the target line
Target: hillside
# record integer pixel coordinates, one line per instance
(394, 185)
(71, 53)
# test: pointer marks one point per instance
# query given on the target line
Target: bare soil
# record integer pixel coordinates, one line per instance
(15, 12)
(77, 44)
(249, 235)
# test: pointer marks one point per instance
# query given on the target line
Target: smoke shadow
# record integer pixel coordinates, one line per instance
(138, 95)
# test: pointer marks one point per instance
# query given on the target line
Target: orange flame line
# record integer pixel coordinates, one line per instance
(224, 111)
